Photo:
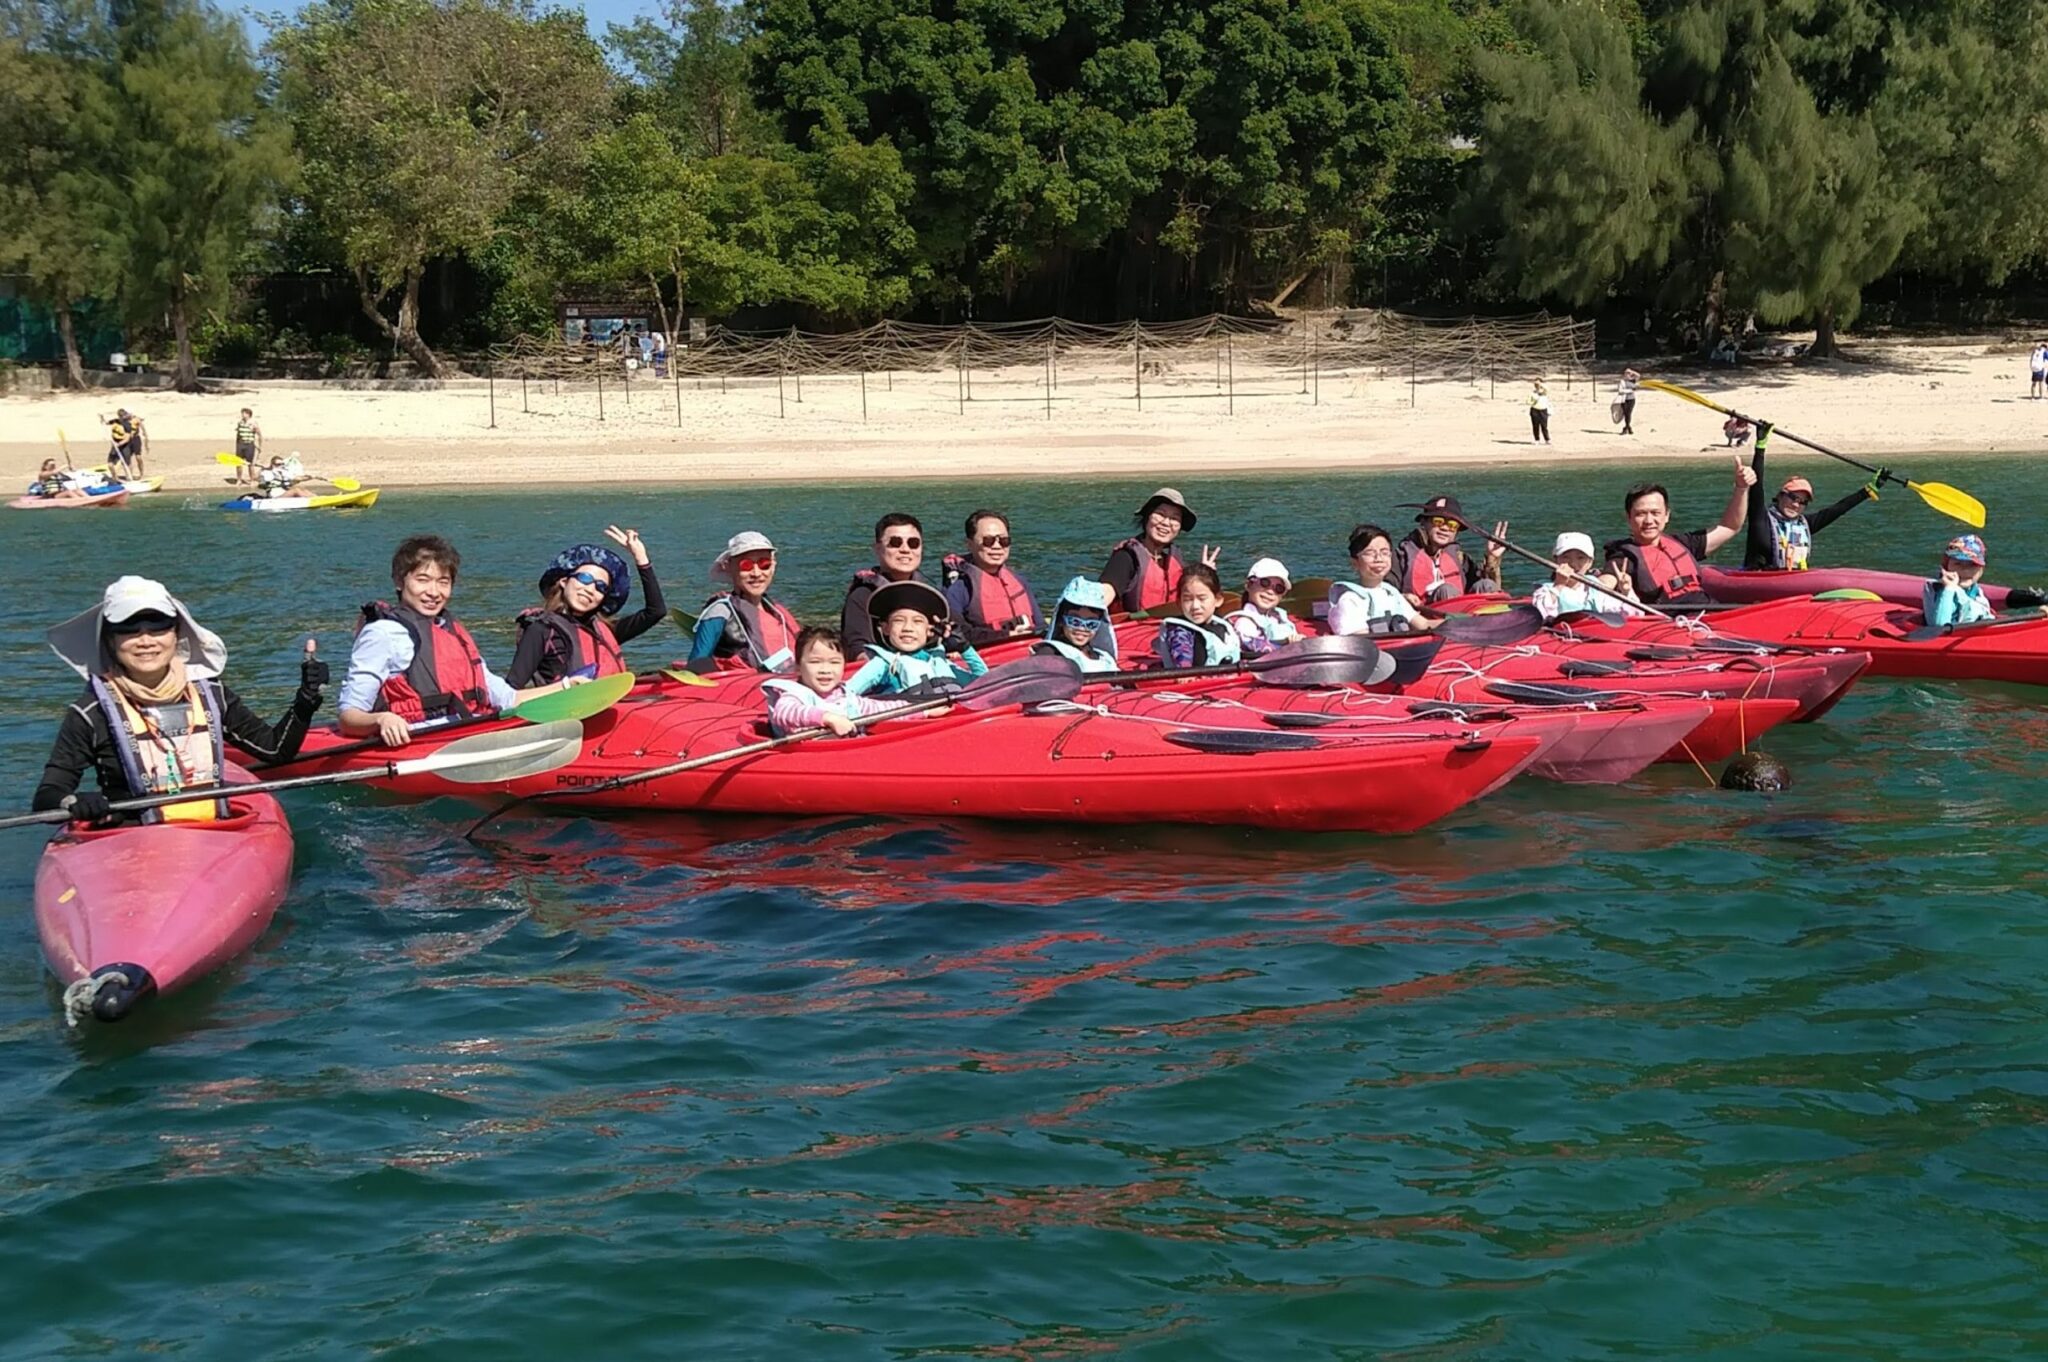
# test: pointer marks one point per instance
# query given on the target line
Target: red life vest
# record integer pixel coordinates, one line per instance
(1424, 572)
(446, 677)
(1157, 584)
(1667, 567)
(588, 642)
(996, 601)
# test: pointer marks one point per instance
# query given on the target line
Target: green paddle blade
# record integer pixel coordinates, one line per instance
(1847, 593)
(577, 702)
(1953, 502)
(684, 620)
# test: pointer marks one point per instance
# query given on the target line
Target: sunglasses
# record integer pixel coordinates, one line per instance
(142, 624)
(588, 580)
(1437, 522)
(1265, 584)
(897, 542)
(995, 541)
(760, 563)
(1798, 498)
(1086, 624)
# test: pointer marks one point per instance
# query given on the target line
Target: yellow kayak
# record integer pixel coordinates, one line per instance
(335, 501)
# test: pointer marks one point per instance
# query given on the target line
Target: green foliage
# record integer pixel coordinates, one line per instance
(690, 71)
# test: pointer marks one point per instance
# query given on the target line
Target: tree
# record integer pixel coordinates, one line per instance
(638, 223)
(422, 122)
(690, 71)
(199, 159)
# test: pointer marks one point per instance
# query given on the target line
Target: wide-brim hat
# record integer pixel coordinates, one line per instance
(592, 555)
(741, 544)
(1446, 508)
(911, 595)
(1171, 497)
(82, 641)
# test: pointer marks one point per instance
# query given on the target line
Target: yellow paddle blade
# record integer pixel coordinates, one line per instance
(1686, 393)
(1951, 501)
(687, 677)
(231, 460)
(345, 484)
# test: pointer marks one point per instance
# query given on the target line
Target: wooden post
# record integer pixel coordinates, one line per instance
(1138, 360)
(1411, 380)
(1316, 356)
(967, 360)
(600, 390)
(1230, 372)
(491, 379)
(523, 408)
(675, 371)
(781, 363)
(863, 389)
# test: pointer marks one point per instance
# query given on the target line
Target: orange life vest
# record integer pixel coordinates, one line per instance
(995, 600)
(770, 633)
(1668, 567)
(1428, 574)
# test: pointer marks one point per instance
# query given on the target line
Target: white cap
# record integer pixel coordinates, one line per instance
(1570, 540)
(128, 597)
(1271, 567)
(746, 541)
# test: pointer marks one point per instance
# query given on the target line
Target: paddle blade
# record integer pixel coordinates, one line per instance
(1953, 502)
(1241, 741)
(684, 620)
(345, 484)
(1027, 681)
(1545, 692)
(1410, 660)
(577, 702)
(231, 460)
(1847, 593)
(685, 676)
(510, 754)
(1687, 394)
(1511, 625)
(1344, 660)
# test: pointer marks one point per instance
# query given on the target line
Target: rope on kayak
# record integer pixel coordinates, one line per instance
(80, 994)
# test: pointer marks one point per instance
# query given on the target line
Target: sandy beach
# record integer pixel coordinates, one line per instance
(1891, 398)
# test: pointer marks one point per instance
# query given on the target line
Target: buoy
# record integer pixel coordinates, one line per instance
(1757, 771)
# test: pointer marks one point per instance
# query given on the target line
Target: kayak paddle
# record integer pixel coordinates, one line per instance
(1950, 501)
(478, 760)
(1945, 630)
(1342, 660)
(1028, 681)
(576, 703)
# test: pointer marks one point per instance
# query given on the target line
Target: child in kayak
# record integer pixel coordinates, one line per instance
(155, 717)
(1080, 630)
(814, 697)
(1260, 623)
(1572, 590)
(1373, 604)
(1956, 596)
(1198, 638)
(570, 630)
(1781, 531)
(907, 657)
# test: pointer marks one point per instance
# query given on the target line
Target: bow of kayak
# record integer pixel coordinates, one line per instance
(334, 502)
(116, 497)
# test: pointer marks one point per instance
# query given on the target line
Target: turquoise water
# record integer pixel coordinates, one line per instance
(1648, 1071)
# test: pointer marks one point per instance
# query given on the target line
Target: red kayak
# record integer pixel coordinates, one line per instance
(147, 908)
(1746, 586)
(117, 497)
(1065, 763)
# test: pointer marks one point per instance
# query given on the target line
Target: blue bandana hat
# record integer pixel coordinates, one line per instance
(592, 555)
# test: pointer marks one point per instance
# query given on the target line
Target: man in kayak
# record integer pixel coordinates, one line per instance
(742, 626)
(899, 553)
(155, 717)
(1429, 565)
(412, 663)
(1957, 595)
(1781, 530)
(1662, 567)
(990, 599)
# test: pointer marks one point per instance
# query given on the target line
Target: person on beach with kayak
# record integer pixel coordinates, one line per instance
(51, 482)
(126, 443)
(815, 697)
(1780, 530)
(1260, 623)
(990, 599)
(742, 626)
(1429, 566)
(571, 631)
(1145, 570)
(412, 663)
(156, 717)
(899, 553)
(1575, 589)
(1659, 567)
(908, 656)
(1080, 630)
(248, 445)
(1373, 604)
(1198, 638)
(1956, 596)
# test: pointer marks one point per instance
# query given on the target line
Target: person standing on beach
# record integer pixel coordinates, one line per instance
(899, 553)
(127, 443)
(1625, 395)
(1539, 414)
(248, 445)
(2037, 367)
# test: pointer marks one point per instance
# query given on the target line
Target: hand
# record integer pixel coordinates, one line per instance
(1021, 628)
(1745, 476)
(1763, 432)
(313, 673)
(568, 682)
(1494, 550)
(392, 731)
(630, 541)
(90, 806)
(1950, 579)
(1210, 555)
(1876, 481)
(1622, 582)
(840, 725)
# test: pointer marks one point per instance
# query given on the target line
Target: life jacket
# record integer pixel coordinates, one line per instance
(1669, 568)
(770, 635)
(995, 600)
(1974, 606)
(929, 668)
(158, 759)
(1429, 575)
(119, 433)
(446, 677)
(1088, 660)
(589, 643)
(245, 434)
(1156, 584)
(1378, 623)
(1276, 628)
(1791, 540)
(1218, 651)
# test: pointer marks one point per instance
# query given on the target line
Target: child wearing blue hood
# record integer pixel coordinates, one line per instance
(908, 657)
(1957, 595)
(1080, 630)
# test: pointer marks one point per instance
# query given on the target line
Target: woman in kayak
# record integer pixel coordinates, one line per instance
(814, 697)
(1781, 531)
(1575, 589)
(1957, 595)
(742, 626)
(1198, 638)
(1080, 630)
(1145, 570)
(413, 663)
(50, 482)
(1260, 623)
(570, 632)
(155, 717)
(907, 657)
(1373, 604)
